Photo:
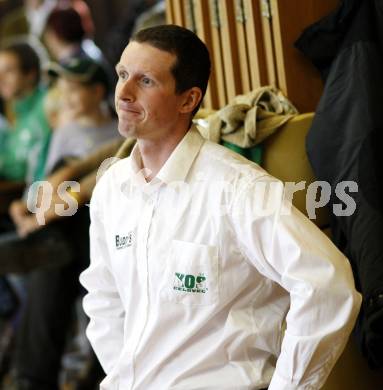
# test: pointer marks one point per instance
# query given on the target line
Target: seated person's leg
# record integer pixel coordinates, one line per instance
(9, 191)
(6, 224)
(51, 295)
(42, 333)
(45, 247)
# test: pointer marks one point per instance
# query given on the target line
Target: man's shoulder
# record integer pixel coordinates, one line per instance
(112, 173)
(227, 163)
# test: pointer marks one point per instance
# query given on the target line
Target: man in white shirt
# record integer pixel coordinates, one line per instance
(192, 273)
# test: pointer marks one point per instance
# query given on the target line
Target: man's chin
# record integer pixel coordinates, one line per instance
(127, 131)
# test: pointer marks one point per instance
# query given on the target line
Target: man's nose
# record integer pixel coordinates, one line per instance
(127, 90)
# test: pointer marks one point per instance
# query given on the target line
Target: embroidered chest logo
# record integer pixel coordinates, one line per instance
(190, 283)
(124, 241)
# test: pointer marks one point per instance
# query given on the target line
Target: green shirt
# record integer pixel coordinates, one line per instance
(25, 145)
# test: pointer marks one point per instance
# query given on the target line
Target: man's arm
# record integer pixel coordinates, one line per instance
(102, 303)
(292, 251)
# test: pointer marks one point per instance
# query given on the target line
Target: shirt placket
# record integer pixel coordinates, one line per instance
(143, 267)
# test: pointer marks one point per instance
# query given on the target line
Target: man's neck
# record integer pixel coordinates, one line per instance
(155, 153)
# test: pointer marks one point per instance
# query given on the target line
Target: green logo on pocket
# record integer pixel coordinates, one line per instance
(190, 283)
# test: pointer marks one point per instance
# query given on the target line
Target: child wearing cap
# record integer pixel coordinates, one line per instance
(85, 119)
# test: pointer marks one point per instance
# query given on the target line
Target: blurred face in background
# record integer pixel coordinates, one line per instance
(80, 99)
(52, 43)
(33, 4)
(14, 83)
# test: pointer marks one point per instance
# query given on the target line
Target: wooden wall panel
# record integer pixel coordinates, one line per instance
(169, 12)
(188, 6)
(203, 29)
(254, 48)
(297, 78)
(229, 48)
(178, 11)
(268, 42)
(217, 54)
(255, 45)
(242, 45)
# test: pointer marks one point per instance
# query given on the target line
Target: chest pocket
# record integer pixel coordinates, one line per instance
(191, 276)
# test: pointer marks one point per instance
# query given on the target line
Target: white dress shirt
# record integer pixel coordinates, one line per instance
(194, 274)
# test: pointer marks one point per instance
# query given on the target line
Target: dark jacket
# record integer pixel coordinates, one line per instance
(345, 143)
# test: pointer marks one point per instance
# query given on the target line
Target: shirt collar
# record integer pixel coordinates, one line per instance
(177, 165)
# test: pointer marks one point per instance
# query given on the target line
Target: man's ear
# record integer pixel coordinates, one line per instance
(192, 97)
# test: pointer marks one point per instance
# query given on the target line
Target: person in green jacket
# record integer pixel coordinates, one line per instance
(24, 146)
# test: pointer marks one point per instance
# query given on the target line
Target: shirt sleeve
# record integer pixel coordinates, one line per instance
(289, 249)
(102, 303)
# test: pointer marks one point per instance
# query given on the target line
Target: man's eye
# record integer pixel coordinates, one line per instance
(146, 81)
(122, 74)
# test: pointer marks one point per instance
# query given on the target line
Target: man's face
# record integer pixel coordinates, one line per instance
(13, 82)
(146, 102)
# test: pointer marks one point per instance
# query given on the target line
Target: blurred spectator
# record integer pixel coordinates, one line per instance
(37, 12)
(31, 20)
(82, 8)
(24, 150)
(65, 36)
(29, 17)
(61, 247)
(88, 169)
(26, 137)
(84, 86)
(4, 126)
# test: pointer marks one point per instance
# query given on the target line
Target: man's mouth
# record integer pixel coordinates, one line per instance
(128, 108)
